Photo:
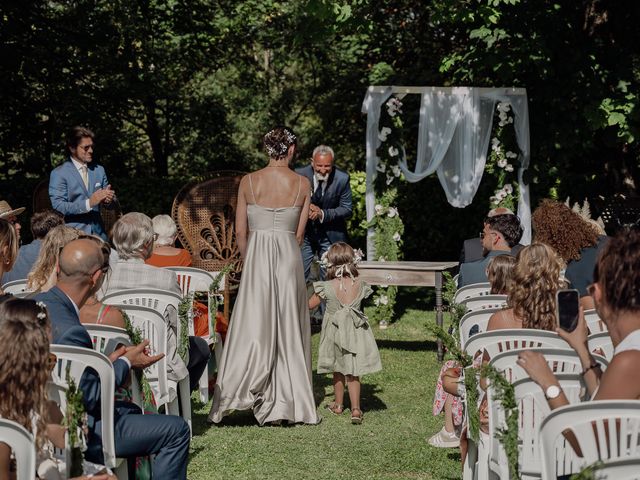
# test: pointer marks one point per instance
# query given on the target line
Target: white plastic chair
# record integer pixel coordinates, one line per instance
(601, 341)
(476, 318)
(627, 469)
(595, 324)
(532, 409)
(605, 430)
(498, 341)
(192, 280)
(78, 359)
(153, 327)
(17, 288)
(23, 446)
(560, 360)
(105, 338)
(472, 290)
(484, 302)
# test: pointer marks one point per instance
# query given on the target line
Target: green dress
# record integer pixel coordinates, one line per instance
(347, 345)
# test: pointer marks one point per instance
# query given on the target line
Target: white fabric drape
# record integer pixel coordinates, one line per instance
(453, 138)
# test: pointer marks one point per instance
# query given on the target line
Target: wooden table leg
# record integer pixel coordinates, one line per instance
(438, 285)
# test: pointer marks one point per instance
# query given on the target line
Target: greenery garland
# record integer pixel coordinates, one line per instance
(185, 312)
(75, 420)
(506, 395)
(456, 310)
(387, 224)
(215, 299)
(135, 335)
(500, 157)
(588, 472)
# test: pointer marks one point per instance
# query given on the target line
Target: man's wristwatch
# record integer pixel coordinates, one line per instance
(552, 391)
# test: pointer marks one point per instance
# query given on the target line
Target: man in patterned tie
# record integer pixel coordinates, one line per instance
(331, 205)
(78, 187)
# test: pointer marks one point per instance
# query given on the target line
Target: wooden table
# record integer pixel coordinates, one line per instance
(415, 274)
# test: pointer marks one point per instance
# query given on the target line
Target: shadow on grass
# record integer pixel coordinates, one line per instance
(408, 345)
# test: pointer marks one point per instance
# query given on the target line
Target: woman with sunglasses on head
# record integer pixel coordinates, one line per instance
(24, 327)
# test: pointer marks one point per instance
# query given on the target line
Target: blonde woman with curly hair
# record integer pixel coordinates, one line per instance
(531, 300)
(43, 275)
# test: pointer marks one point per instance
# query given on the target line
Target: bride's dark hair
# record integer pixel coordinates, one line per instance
(277, 142)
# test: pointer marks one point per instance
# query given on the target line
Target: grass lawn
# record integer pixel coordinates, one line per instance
(390, 443)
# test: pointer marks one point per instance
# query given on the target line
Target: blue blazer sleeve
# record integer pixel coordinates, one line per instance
(60, 192)
(345, 207)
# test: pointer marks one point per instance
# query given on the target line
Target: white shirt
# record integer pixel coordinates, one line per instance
(80, 167)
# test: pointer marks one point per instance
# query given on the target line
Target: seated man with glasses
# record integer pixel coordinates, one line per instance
(78, 187)
(499, 235)
(133, 238)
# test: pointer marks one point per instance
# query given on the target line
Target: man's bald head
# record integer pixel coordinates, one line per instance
(499, 211)
(81, 257)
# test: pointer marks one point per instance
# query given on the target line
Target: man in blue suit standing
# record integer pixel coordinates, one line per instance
(81, 271)
(78, 186)
(331, 205)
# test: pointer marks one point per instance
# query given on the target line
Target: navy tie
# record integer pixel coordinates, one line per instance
(317, 194)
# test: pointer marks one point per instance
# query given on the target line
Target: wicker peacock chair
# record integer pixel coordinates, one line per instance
(204, 212)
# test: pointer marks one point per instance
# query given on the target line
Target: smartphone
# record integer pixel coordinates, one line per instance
(567, 309)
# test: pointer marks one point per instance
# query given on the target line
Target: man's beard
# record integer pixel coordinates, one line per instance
(322, 178)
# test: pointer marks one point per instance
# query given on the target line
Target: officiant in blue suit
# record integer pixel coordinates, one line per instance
(78, 187)
(331, 205)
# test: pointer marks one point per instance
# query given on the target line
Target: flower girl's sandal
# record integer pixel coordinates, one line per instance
(356, 416)
(335, 408)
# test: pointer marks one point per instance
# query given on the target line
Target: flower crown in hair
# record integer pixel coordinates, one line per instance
(280, 148)
(325, 263)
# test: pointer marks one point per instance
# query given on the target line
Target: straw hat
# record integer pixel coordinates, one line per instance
(7, 211)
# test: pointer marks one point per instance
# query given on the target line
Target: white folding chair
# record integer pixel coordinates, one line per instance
(78, 359)
(484, 302)
(602, 342)
(17, 288)
(473, 290)
(604, 430)
(191, 280)
(23, 446)
(476, 318)
(532, 409)
(595, 324)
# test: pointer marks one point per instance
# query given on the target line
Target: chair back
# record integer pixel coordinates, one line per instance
(152, 327)
(485, 301)
(532, 409)
(478, 319)
(470, 291)
(105, 337)
(560, 360)
(23, 446)
(601, 342)
(204, 212)
(627, 469)
(78, 359)
(498, 341)
(603, 429)
(193, 279)
(595, 324)
(156, 299)
(17, 288)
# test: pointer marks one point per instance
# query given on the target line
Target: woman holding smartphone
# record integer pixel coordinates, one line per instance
(616, 293)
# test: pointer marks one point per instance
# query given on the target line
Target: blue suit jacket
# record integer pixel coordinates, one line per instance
(66, 329)
(476, 272)
(336, 203)
(69, 196)
(27, 256)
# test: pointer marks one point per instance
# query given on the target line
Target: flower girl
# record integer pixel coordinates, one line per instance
(347, 347)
